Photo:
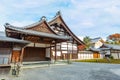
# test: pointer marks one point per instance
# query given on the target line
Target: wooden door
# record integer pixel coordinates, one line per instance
(96, 55)
(16, 56)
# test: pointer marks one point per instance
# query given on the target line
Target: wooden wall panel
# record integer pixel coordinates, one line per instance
(15, 56)
(34, 54)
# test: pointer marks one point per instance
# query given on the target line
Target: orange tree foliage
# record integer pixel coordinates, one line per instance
(115, 36)
(115, 39)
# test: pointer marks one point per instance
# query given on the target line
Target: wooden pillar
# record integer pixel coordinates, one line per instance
(50, 52)
(67, 52)
(77, 51)
(72, 51)
(55, 52)
(61, 51)
(10, 57)
(34, 44)
(118, 54)
(21, 56)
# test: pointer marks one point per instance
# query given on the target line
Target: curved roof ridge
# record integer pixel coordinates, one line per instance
(43, 18)
(7, 25)
(34, 24)
(58, 14)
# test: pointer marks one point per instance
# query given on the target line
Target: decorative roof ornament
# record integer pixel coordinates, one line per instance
(7, 24)
(43, 18)
(58, 13)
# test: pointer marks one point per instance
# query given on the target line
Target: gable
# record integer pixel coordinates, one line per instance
(42, 27)
(98, 44)
(58, 19)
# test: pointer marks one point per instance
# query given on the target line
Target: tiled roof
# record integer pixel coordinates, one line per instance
(112, 46)
(31, 32)
(95, 40)
(8, 39)
(94, 49)
(2, 33)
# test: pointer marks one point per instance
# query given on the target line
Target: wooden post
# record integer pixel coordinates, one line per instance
(50, 52)
(21, 56)
(61, 51)
(55, 52)
(67, 53)
(118, 54)
(72, 50)
(77, 50)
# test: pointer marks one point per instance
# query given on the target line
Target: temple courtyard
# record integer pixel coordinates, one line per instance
(74, 71)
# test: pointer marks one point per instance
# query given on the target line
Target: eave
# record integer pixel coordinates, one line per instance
(35, 33)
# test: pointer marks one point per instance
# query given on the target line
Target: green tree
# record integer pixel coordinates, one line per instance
(87, 40)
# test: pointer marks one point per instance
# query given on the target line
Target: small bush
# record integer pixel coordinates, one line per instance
(111, 57)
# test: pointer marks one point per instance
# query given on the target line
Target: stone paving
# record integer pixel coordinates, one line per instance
(74, 71)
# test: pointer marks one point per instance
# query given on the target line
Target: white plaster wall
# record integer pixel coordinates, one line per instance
(115, 55)
(102, 56)
(58, 53)
(98, 44)
(47, 52)
(85, 56)
(64, 51)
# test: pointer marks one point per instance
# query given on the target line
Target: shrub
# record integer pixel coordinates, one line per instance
(111, 57)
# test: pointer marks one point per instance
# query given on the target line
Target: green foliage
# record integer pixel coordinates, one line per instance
(87, 40)
(111, 57)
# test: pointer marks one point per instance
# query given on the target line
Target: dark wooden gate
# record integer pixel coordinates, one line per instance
(34, 54)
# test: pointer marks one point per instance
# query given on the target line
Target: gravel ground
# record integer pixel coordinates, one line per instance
(74, 71)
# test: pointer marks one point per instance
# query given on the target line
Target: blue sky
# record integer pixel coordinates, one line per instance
(94, 18)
